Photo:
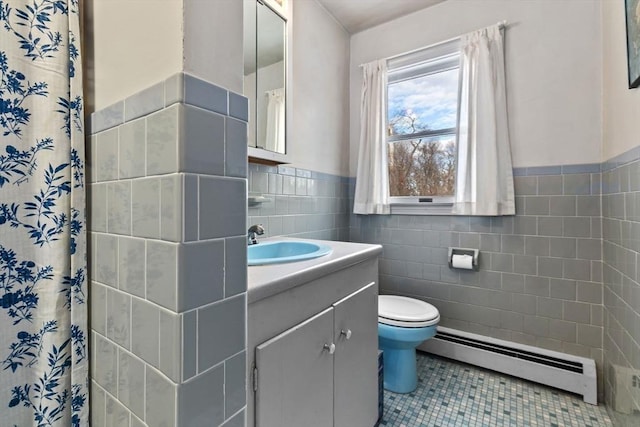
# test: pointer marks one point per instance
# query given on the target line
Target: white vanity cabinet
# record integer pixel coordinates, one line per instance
(295, 376)
(323, 371)
(355, 388)
(312, 341)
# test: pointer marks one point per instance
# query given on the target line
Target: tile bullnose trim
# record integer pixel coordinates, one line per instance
(144, 102)
(178, 88)
(621, 159)
(106, 118)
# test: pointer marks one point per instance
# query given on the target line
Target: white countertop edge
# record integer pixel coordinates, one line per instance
(266, 280)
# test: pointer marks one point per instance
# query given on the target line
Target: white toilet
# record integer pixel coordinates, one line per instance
(403, 324)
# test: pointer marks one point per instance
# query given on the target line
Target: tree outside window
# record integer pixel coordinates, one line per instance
(422, 116)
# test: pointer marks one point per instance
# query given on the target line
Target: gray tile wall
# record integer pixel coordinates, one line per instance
(300, 203)
(540, 278)
(562, 274)
(542, 271)
(621, 274)
(168, 268)
(540, 281)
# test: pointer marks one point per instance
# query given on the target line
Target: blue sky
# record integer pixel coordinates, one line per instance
(432, 99)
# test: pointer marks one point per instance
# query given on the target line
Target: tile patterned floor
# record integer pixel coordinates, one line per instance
(454, 394)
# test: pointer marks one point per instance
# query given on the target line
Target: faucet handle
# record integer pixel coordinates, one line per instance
(254, 230)
(257, 229)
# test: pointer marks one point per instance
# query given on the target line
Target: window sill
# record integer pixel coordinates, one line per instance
(421, 209)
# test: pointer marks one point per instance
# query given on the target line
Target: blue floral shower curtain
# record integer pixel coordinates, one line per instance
(43, 275)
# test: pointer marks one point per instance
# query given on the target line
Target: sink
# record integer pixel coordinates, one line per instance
(280, 251)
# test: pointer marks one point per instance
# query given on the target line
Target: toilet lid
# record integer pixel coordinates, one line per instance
(403, 311)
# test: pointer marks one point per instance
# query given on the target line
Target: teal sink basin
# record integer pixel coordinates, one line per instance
(281, 251)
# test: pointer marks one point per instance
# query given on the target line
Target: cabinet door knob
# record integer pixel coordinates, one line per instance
(347, 333)
(331, 348)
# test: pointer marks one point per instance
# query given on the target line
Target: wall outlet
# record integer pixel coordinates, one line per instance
(626, 382)
(635, 381)
(635, 390)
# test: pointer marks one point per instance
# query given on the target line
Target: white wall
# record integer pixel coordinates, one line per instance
(213, 41)
(318, 137)
(553, 51)
(129, 45)
(621, 105)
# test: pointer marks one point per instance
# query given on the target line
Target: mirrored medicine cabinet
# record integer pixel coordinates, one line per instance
(266, 74)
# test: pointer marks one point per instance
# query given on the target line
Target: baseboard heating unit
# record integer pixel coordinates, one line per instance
(552, 368)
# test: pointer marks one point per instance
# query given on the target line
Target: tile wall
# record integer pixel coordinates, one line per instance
(540, 281)
(540, 278)
(168, 263)
(300, 203)
(562, 274)
(621, 256)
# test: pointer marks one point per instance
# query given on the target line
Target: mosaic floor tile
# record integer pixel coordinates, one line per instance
(455, 394)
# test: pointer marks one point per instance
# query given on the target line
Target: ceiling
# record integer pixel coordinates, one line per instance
(358, 15)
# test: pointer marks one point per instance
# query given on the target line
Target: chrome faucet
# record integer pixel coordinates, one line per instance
(254, 230)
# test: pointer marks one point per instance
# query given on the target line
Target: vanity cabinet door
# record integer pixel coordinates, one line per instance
(295, 376)
(356, 359)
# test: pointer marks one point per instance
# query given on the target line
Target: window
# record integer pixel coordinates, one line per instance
(422, 105)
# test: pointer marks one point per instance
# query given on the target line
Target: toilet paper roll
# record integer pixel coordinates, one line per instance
(462, 261)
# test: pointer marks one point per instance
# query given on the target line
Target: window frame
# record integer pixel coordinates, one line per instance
(423, 62)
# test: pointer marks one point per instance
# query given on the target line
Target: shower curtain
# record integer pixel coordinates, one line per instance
(43, 266)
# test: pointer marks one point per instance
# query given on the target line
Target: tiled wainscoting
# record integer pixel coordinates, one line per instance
(562, 274)
(168, 265)
(621, 256)
(540, 278)
(168, 229)
(300, 203)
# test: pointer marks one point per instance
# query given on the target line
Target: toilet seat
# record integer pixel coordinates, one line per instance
(406, 312)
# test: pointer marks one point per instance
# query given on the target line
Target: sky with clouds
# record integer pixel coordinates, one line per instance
(432, 99)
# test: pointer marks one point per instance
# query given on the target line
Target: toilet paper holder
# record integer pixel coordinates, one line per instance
(475, 253)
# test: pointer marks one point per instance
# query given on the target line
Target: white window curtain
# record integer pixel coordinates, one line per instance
(484, 176)
(275, 121)
(372, 180)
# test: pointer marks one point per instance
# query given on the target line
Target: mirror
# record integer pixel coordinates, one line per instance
(265, 76)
